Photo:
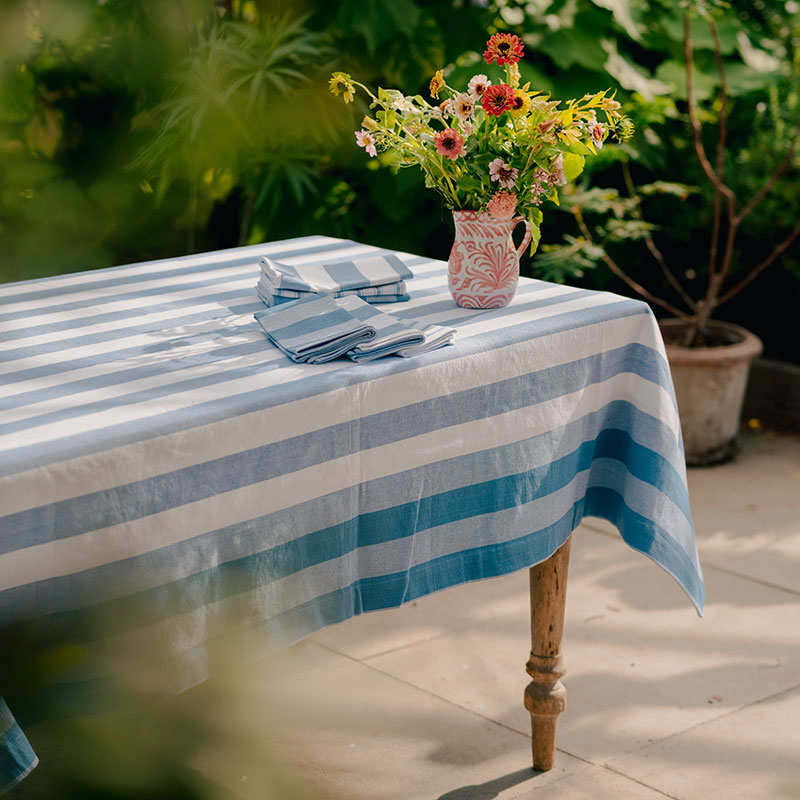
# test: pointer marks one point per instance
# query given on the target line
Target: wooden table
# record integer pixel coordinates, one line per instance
(161, 462)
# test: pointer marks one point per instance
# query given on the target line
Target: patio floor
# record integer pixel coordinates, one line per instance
(425, 702)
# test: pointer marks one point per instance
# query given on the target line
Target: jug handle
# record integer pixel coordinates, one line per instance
(525, 239)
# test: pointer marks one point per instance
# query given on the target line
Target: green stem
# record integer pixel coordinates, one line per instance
(356, 83)
(527, 163)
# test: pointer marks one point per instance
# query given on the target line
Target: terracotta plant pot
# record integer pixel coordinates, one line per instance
(710, 383)
(483, 269)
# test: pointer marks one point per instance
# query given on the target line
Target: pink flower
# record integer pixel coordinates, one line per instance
(597, 132)
(449, 143)
(366, 140)
(502, 205)
(497, 99)
(503, 173)
(505, 47)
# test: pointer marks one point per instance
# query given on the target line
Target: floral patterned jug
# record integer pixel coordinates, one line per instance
(483, 268)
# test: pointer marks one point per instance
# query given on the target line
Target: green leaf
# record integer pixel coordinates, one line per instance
(679, 190)
(389, 96)
(388, 119)
(470, 184)
(573, 166)
(536, 232)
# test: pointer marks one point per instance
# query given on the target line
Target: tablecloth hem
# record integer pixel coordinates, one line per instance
(21, 776)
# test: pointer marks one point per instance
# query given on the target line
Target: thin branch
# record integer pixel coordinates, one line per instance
(716, 284)
(716, 278)
(776, 252)
(723, 110)
(696, 130)
(767, 187)
(612, 265)
(721, 139)
(651, 245)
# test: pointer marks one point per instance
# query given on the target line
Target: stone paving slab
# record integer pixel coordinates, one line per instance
(753, 753)
(359, 734)
(747, 513)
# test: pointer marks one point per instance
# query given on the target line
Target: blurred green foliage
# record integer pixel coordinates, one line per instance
(136, 129)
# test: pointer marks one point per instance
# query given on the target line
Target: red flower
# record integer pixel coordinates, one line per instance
(497, 99)
(505, 47)
(449, 143)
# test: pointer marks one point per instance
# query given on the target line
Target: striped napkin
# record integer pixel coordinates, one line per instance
(319, 328)
(392, 335)
(313, 329)
(376, 278)
(389, 293)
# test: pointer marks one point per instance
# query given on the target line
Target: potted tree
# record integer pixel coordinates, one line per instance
(709, 359)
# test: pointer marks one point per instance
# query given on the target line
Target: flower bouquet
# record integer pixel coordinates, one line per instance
(494, 152)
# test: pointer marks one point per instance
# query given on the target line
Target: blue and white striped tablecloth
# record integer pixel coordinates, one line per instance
(161, 463)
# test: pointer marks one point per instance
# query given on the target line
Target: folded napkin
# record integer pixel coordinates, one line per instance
(313, 329)
(377, 270)
(392, 335)
(388, 293)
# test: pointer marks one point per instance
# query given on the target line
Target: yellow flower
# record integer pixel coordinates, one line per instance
(515, 76)
(369, 124)
(522, 104)
(342, 82)
(566, 135)
(437, 82)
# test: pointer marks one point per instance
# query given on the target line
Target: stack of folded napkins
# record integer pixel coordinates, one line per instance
(319, 328)
(377, 279)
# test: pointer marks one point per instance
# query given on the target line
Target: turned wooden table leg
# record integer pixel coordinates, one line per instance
(545, 696)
